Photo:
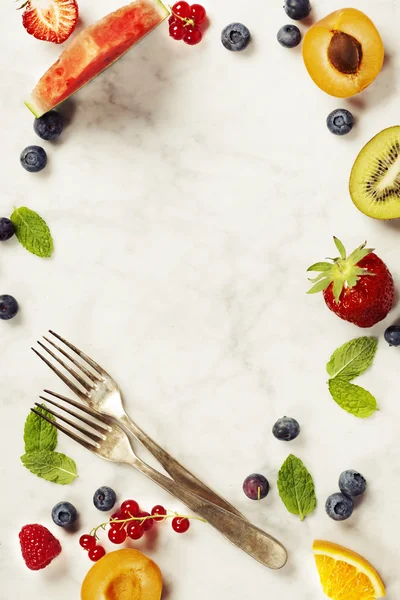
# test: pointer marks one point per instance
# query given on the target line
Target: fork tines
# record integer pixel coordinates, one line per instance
(86, 378)
(98, 427)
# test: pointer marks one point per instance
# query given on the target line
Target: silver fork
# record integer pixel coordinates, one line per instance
(101, 392)
(108, 440)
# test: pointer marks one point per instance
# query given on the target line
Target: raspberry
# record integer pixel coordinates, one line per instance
(38, 546)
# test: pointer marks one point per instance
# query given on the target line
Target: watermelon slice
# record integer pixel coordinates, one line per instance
(93, 50)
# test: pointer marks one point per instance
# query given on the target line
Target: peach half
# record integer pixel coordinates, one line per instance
(343, 53)
(123, 575)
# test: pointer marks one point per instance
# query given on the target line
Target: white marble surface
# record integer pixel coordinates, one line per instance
(186, 198)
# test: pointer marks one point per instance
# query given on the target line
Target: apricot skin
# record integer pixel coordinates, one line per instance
(317, 53)
(123, 575)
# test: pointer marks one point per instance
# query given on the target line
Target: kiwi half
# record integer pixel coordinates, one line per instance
(375, 177)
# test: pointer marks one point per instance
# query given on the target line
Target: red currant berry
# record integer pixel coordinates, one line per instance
(87, 541)
(135, 530)
(198, 13)
(177, 31)
(116, 516)
(159, 510)
(192, 35)
(147, 524)
(129, 508)
(181, 9)
(96, 553)
(180, 524)
(172, 19)
(116, 536)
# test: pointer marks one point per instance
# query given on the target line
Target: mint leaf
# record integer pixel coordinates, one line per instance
(32, 232)
(38, 433)
(296, 487)
(51, 466)
(352, 398)
(352, 359)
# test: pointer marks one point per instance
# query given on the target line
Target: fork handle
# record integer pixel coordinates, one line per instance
(249, 538)
(175, 469)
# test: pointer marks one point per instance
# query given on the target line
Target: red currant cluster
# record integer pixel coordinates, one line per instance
(130, 522)
(184, 22)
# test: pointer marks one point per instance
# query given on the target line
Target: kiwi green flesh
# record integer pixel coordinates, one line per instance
(375, 177)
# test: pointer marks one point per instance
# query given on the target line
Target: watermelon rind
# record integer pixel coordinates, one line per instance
(38, 109)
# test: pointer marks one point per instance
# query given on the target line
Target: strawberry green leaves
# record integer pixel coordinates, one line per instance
(296, 487)
(40, 439)
(346, 363)
(32, 232)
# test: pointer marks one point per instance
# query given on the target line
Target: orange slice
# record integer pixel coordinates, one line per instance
(346, 575)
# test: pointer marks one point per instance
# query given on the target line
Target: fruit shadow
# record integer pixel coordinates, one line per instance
(149, 541)
(167, 591)
(380, 90)
(115, 101)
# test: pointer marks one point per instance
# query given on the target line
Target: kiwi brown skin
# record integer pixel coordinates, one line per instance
(370, 167)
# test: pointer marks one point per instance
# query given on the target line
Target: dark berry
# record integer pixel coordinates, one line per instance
(340, 121)
(64, 514)
(235, 37)
(87, 541)
(104, 498)
(135, 530)
(129, 508)
(158, 510)
(198, 13)
(117, 536)
(96, 553)
(192, 35)
(49, 126)
(352, 483)
(7, 229)
(297, 9)
(392, 335)
(289, 36)
(33, 159)
(256, 486)
(286, 429)
(147, 524)
(339, 507)
(180, 524)
(8, 307)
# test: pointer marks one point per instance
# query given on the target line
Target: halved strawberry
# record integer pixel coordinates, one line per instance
(50, 20)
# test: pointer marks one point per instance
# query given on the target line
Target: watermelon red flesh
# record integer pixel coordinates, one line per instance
(93, 50)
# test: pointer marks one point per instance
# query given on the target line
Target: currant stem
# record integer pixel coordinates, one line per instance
(186, 21)
(171, 515)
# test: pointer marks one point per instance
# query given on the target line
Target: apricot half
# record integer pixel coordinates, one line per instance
(343, 52)
(123, 575)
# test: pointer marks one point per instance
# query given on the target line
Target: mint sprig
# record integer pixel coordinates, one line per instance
(346, 363)
(32, 232)
(40, 439)
(296, 487)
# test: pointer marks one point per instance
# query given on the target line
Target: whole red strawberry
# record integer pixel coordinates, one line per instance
(357, 288)
(38, 546)
(50, 20)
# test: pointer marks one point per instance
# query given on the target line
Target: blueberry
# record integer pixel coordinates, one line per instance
(289, 36)
(286, 429)
(340, 121)
(339, 507)
(392, 335)
(49, 126)
(235, 37)
(8, 307)
(64, 514)
(297, 9)
(104, 498)
(352, 483)
(7, 229)
(256, 486)
(33, 159)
